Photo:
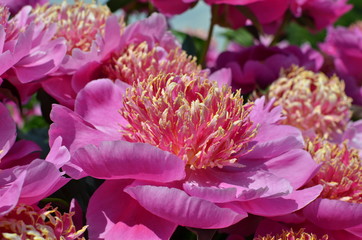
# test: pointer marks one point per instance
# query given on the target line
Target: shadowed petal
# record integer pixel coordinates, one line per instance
(121, 159)
(175, 205)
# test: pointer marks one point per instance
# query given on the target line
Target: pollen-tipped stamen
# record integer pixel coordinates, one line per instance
(192, 117)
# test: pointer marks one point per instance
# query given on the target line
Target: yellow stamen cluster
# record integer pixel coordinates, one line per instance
(193, 118)
(291, 235)
(312, 101)
(26, 222)
(341, 170)
(78, 23)
(139, 61)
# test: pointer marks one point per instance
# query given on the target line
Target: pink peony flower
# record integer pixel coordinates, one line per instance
(323, 13)
(23, 177)
(312, 102)
(145, 48)
(180, 150)
(344, 46)
(15, 5)
(27, 51)
(30, 222)
(266, 12)
(293, 235)
(258, 66)
(337, 212)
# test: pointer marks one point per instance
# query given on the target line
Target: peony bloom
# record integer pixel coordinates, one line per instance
(180, 150)
(266, 12)
(258, 66)
(337, 212)
(23, 177)
(27, 51)
(78, 23)
(311, 101)
(145, 48)
(291, 235)
(229, 13)
(339, 207)
(30, 222)
(323, 13)
(15, 5)
(344, 46)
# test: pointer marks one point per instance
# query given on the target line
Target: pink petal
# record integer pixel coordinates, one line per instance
(7, 131)
(10, 189)
(223, 186)
(296, 165)
(21, 153)
(175, 205)
(334, 214)
(58, 155)
(270, 207)
(113, 214)
(42, 179)
(99, 103)
(121, 159)
(76, 132)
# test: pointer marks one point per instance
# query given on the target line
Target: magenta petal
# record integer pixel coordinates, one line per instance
(175, 205)
(7, 131)
(334, 214)
(21, 153)
(10, 189)
(222, 76)
(224, 186)
(75, 132)
(58, 155)
(270, 207)
(42, 179)
(99, 103)
(286, 164)
(118, 216)
(122, 159)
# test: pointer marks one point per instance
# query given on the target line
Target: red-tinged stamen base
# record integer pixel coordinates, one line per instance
(193, 118)
(138, 62)
(291, 235)
(341, 170)
(78, 23)
(26, 222)
(312, 101)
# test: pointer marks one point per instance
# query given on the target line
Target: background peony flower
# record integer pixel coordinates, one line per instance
(32, 222)
(15, 5)
(208, 187)
(27, 51)
(337, 211)
(323, 13)
(312, 102)
(258, 66)
(344, 46)
(266, 12)
(145, 48)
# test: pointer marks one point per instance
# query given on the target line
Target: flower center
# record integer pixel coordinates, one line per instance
(312, 101)
(341, 170)
(291, 235)
(190, 116)
(25, 222)
(78, 23)
(139, 61)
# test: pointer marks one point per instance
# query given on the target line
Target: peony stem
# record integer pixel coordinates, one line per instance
(214, 9)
